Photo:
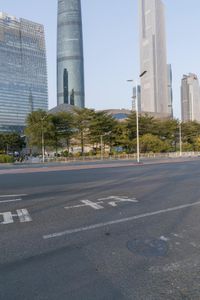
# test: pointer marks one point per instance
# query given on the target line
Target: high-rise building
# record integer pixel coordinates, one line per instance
(190, 98)
(170, 90)
(23, 71)
(70, 66)
(153, 58)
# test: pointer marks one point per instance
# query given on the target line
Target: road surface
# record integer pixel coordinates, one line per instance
(122, 232)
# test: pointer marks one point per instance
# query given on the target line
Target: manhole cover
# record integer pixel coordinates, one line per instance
(148, 247)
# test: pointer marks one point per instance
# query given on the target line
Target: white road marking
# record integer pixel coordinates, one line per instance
(7, 218)
(124, 220)
(96, 205)
(75, 206)
(13, 200)
(163, 238)
(22, 214)
(92, 204)
(119, 199)
(9, 196)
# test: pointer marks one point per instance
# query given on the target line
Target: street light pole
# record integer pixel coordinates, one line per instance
(43, 150)
(137, 126)
(137, 117)
(101, 147)
(180, 139)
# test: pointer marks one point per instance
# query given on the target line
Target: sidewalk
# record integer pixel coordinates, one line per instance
(50, 167)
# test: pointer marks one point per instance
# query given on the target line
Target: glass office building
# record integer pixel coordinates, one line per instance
(153, 58)
(23, 71)
(70, 65)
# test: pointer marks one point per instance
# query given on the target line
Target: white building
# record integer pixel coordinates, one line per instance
(153, 58)
(190, 98)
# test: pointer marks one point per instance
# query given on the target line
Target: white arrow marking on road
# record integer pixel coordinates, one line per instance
(118, 199)
(96, 205)
(22, 214)
(92, 204)
(89, 203)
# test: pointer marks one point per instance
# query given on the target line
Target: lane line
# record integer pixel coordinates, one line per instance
(13, 200)
(99, 225)
(8, 196)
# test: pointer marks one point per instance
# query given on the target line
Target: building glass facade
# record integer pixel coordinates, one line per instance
(23, 71)
(153, 57)
(70, 65)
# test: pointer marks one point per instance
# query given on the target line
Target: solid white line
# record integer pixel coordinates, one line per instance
(99, 225)
(13, 200)
(6, 196)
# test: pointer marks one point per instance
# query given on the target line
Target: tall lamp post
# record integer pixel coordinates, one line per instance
(101, 146)
(180, 139)
(43, 150)
(137, 115)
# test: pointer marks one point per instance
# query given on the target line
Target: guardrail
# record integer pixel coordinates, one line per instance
(122, 157)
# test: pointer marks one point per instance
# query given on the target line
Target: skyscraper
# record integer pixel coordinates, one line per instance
(190, 98)
(70, 69)
(23, 72)
(154, 91)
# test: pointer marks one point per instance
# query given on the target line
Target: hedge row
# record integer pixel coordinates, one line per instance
(6, 159)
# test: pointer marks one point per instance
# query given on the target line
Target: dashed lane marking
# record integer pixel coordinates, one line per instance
(13, 200)
(9, 196)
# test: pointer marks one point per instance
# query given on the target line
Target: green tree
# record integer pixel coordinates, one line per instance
(38, 124)
(102, 126)
(152, 143)
(190, 133)
(11, 142)
(168, 131)
(62, 129)
(82, 118)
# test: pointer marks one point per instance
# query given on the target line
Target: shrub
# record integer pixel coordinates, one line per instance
(6, 158)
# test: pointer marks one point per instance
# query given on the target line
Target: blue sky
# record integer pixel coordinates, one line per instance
(111, 47)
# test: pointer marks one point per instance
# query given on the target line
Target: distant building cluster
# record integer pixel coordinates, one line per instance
(23, 68)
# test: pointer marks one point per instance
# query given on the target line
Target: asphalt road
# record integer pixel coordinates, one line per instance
(123, 232)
